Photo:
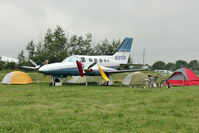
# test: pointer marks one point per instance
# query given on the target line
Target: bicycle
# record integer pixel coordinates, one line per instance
(150, 82)
(157, 81)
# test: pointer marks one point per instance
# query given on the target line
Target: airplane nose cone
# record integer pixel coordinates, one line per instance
(42, 69)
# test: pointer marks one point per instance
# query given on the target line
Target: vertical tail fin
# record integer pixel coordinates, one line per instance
(122, 55)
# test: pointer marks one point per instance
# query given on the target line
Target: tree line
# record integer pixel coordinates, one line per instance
(160, 65)
(56, 46)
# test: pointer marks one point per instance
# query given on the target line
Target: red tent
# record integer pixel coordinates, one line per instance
(183, 77)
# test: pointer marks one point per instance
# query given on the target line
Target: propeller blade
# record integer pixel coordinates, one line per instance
(34, 63)
(79, 66)
(92, 65)
(87, 69)
(29, 67)
(103, 74)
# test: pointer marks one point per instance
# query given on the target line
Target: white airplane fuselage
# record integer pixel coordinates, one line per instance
(69, 66)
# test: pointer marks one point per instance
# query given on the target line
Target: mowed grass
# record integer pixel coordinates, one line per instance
(77, 108)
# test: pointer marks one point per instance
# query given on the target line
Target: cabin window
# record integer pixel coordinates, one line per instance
(90, 59)
(104, 60)
(108, 60)
(95, 60)
(83, 59)
(100, 60)
(71, 59)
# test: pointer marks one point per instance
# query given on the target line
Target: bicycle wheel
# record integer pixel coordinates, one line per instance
(145, 85)
(154, 84)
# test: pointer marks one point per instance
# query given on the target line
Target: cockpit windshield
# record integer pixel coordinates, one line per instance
(72, 58)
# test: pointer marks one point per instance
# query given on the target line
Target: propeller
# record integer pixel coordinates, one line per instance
(34, 63)
(88, 69)
(36, 67)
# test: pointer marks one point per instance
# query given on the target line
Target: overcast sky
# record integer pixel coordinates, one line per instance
(167, 29)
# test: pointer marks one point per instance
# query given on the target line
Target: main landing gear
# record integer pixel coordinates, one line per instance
(109, 83)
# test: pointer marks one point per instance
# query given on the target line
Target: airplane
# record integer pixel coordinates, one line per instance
(84, 65)
(8, 59)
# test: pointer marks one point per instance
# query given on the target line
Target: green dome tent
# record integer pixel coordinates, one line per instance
(135, 78)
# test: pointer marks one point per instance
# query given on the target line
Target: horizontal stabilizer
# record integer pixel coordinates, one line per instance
(129, 64)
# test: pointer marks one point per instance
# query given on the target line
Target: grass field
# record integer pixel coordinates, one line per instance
(77, 108)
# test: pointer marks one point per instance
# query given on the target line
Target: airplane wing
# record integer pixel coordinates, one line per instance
(107, 71)
(123, 71)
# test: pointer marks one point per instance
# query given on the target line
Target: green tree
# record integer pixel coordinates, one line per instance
(11, 65)
(60, 42)
(54, 45)
(21, 58)
(40, 54)
(181, 64)
(2, 65)
(193, 65)
(30, 47)
(106, 48)
(170, 66)
(80, 45)
(159, 65)
(115, 45)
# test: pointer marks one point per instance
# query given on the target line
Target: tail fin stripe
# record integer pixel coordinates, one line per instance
(126, 45)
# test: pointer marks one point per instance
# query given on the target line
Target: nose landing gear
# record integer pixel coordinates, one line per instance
(55, 82)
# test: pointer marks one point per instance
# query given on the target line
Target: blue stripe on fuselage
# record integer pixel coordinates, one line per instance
(64, 72)
(73, 72)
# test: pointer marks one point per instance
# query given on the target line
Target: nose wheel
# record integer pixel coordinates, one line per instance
(55, 82)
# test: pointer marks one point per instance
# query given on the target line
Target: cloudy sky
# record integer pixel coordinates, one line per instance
(167, 29)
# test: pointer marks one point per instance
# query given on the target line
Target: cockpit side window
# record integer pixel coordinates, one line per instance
(71, 59)
(83, 59)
